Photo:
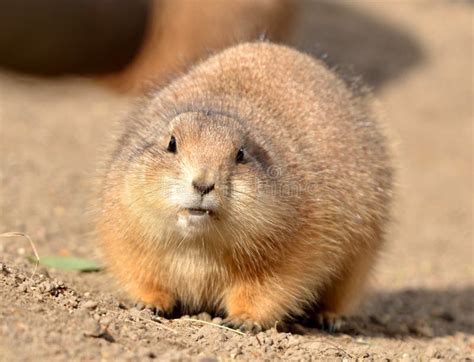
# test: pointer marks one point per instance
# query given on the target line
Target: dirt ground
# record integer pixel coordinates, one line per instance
(418, 55)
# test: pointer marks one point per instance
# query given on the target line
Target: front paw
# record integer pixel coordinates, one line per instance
(155, 310)
(242, 323)
(158, 301)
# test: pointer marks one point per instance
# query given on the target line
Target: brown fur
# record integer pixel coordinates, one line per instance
(182, 31)
(298, 224)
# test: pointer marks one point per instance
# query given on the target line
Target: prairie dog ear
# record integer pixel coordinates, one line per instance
(178, 130)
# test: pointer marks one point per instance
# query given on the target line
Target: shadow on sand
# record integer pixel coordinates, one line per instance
(416, 313)
(354, 41)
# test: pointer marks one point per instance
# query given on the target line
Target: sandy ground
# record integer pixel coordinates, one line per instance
(419, 58)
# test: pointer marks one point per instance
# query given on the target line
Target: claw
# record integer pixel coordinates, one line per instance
(156, 311)
(329, 322)
(242, 324)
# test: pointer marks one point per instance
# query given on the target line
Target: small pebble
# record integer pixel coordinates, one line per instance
(105, 321)
(268, 341)
(43, 272)
(204, 317)
(37, 309)
(121, 305)
(94, 329)
(217, 320)
(133, 336)
(20, 278)
(90, 304)
(198, 337)
(91, 327)
(222, 338)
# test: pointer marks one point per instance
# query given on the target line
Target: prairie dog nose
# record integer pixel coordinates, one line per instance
(204, 182)
(203, 188)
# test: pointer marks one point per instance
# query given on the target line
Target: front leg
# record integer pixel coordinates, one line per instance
(160, 298)
(253, 306)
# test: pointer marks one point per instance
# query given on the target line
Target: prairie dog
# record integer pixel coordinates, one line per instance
(182, 31)
(256, 186)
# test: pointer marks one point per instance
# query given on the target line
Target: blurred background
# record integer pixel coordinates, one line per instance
(69, 70)
(133, 44)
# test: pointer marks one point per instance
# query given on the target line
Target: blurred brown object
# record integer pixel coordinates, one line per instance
(181, 32)
(56, 37)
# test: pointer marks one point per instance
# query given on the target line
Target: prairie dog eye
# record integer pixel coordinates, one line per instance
(240, 155)
(172, 145)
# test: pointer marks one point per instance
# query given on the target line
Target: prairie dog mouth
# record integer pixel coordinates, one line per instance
(194, 221)
(192, 211)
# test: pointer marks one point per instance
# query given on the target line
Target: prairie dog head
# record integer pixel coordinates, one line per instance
(204, 178)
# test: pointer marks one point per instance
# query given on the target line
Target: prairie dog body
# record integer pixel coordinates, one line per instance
(256, 185)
